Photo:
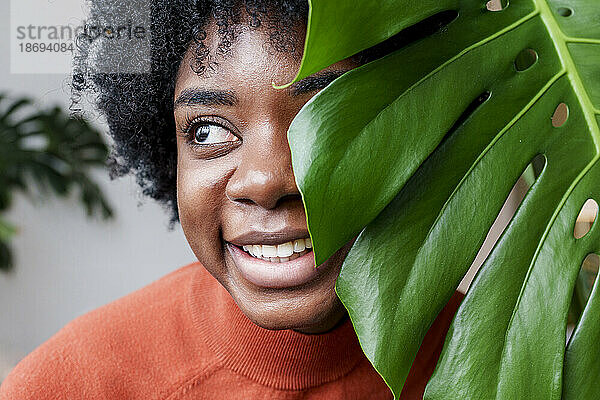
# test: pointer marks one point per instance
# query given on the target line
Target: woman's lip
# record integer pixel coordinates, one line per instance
(274, 275)
(268, 237)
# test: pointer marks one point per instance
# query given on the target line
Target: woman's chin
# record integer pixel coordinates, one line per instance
(312, 306)
(310, 313)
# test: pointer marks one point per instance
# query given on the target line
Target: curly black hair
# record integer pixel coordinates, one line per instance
(138, 107)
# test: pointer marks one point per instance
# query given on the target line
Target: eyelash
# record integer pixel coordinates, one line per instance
(189, 132)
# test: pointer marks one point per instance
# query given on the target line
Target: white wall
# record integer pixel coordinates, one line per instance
(66, 264)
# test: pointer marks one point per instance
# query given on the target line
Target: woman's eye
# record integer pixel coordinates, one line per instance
(206, 139)
(205, 133)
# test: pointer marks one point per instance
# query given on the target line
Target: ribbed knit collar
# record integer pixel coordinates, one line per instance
(283, 359)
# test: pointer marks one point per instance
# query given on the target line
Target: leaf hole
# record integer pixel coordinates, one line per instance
(582, 290)
(496, 5)
(585, 219)
(564, 11)
(427, 27)
(471, 108)
(525, 59)
(469, 111)
(560, 116)
(516, 196)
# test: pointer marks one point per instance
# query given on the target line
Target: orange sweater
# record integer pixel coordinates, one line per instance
(183, 337)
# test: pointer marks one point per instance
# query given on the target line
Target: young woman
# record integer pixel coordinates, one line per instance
(205, 133)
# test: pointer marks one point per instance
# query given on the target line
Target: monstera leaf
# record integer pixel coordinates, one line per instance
(416, 153)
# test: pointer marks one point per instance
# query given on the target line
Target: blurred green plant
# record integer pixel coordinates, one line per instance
(48, 150)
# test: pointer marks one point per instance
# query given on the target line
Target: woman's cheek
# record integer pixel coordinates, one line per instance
(200, 198)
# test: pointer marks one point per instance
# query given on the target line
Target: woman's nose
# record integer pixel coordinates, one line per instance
(264, 175)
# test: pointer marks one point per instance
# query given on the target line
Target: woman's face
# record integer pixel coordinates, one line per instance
(239, 205)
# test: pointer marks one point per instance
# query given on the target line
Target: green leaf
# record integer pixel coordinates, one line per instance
(416, 152)
(327, 40)
(70, 146)
(55, 151)
(13, 108)
(7, 230)
(582, 368)
(6, 259)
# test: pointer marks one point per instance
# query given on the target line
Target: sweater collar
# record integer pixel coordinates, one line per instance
(283, 359)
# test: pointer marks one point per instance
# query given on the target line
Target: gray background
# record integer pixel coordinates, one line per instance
(67, 264)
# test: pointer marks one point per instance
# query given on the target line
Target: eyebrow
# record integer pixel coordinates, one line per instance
(191, 97)
(315, 82)
(201, 97)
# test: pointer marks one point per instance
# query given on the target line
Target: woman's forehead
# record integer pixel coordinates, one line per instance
(251, 65)
(250, 57)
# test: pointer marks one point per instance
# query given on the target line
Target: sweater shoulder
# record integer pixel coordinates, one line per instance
(142, 343)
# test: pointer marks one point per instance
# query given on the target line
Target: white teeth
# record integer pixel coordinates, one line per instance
(269, 251)
(285, 249)
(278, 253)
(299, 245)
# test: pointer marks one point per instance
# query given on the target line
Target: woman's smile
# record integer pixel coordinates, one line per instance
(275, 271)
(280, 252)
(276, 259)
